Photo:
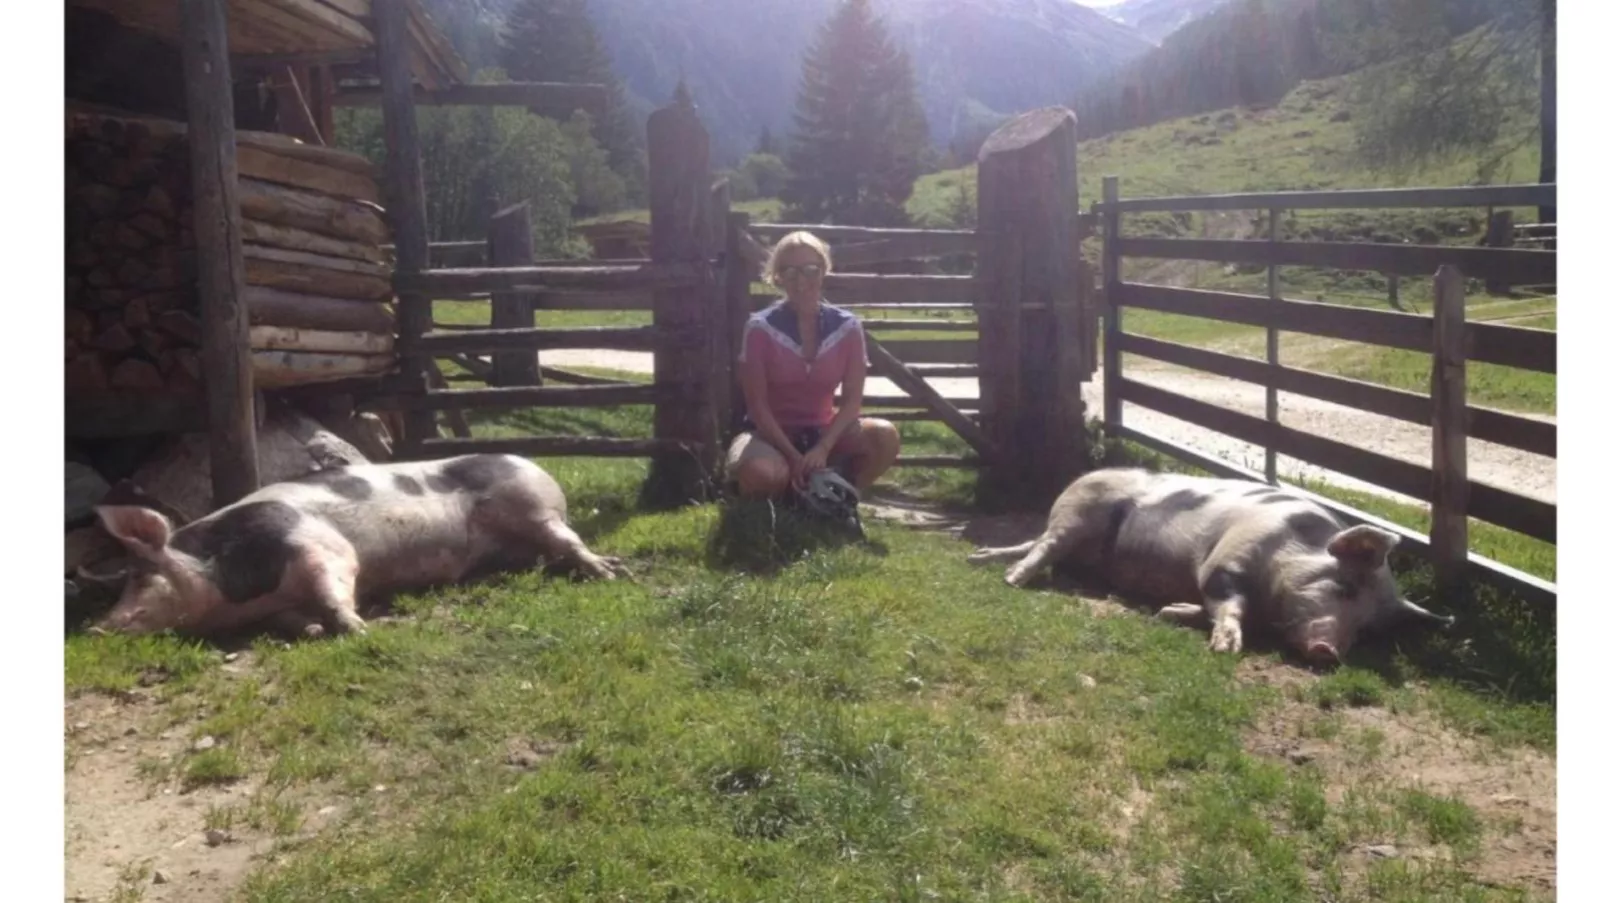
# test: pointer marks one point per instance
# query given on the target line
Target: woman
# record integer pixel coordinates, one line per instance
(795, 355)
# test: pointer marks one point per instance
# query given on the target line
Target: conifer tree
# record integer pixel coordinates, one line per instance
(860, 131)
(554, 41)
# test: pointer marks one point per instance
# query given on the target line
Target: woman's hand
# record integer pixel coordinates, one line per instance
(813, 460)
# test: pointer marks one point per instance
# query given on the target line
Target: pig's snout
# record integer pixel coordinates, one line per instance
(1322, 652)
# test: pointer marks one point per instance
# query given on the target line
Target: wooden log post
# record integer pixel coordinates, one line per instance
(1450, 491)
(1273, 354)
(1112, 306)
(404, 174)
(510, 244)
(678, 177)
(219, 257)
(739, 275)
(1502, 234)
(1030, 315)
(721, 355)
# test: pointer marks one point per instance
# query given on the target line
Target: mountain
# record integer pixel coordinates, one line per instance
(976, 61)
(1157, 19)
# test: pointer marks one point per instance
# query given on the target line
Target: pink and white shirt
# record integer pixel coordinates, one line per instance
(801, 391)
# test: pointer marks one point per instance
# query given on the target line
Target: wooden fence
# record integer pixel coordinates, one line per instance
(1445, 334)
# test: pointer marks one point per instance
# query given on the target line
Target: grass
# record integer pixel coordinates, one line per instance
(767, 714)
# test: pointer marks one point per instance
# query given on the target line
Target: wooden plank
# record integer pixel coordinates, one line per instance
(922, 392)
(293, 239)
(510, 243)
(1490, 343)
(939, 461)
(618, 338)
(277, 369)
(904, 401)
(899, 248)
(934, 371)
(1503, 577)
(932, 351)
(850, 288)
(1496, 506)
(732, 317)
(1531, 195)
(1499, 427)
(299, 278)
(448, 283)
(219, 254)
(1448, 534)
(557, 100)
(289, 338)
(535, 397)
(330, 19)
(1512, 346)
(405, 196)
(283, 206)
(316, 261)
(920, 325)
(557, 447)
(827, 233)
(282, 169)
(1517, 266)
(1273, 349)
(274, 307)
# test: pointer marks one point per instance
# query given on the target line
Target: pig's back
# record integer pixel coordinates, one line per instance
(418, 522)
(1176, 523)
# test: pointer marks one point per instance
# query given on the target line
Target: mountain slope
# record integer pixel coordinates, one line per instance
(1157, 19)
(975, 61)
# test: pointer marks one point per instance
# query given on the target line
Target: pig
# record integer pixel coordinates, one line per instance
(1222, 551)
(296, 556)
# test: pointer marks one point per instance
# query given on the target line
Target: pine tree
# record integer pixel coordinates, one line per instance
(860, 131)
(766, 142)
(554, 41)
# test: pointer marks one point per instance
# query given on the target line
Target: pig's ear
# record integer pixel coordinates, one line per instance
(1363, 546)
(142, 531)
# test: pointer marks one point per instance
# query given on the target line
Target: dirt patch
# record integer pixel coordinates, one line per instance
(1511, 791)
(131, 826)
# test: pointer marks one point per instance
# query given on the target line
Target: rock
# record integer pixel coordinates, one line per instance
(328, 810)
(214, 837)
(160, 877)
(205, 743)
(80, 726)
(913, 683)
(1087, 681)
(84, 489)
(1382, 851)
(1301, 756)
(232, 656)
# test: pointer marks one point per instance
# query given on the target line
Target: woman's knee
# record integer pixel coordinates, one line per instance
(882, 436)
(762, 476)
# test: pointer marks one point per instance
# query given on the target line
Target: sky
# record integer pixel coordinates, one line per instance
(1098, 2)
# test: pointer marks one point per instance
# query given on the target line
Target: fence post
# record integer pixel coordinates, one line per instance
(1448, 534)
(715, 228)
(1502, 234)
(1273, 294)
(739, 277)
(404, 198)
(1029, 311)
(678, 177)
(219, 258)
(508, 243)
(1112, 306)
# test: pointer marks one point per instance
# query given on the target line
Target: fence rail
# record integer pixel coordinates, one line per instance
(1445, 335)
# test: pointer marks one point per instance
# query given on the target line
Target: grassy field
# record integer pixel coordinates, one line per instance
(845, 722)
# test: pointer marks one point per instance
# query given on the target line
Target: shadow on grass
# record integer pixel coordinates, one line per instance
(759, 537)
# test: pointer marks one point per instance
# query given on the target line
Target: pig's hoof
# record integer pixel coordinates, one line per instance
(1227, 637)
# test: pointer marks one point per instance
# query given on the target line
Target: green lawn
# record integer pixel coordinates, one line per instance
(836, 722)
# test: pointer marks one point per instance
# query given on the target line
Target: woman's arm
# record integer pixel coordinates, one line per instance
(750, 374)
(852, 393)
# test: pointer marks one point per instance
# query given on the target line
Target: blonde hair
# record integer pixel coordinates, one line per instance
(792, 240)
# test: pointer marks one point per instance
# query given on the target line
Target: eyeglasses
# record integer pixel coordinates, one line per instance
(810, 270)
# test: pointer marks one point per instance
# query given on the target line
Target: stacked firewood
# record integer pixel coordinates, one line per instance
(317, 282)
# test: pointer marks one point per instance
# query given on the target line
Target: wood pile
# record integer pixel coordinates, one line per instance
(318, 287)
